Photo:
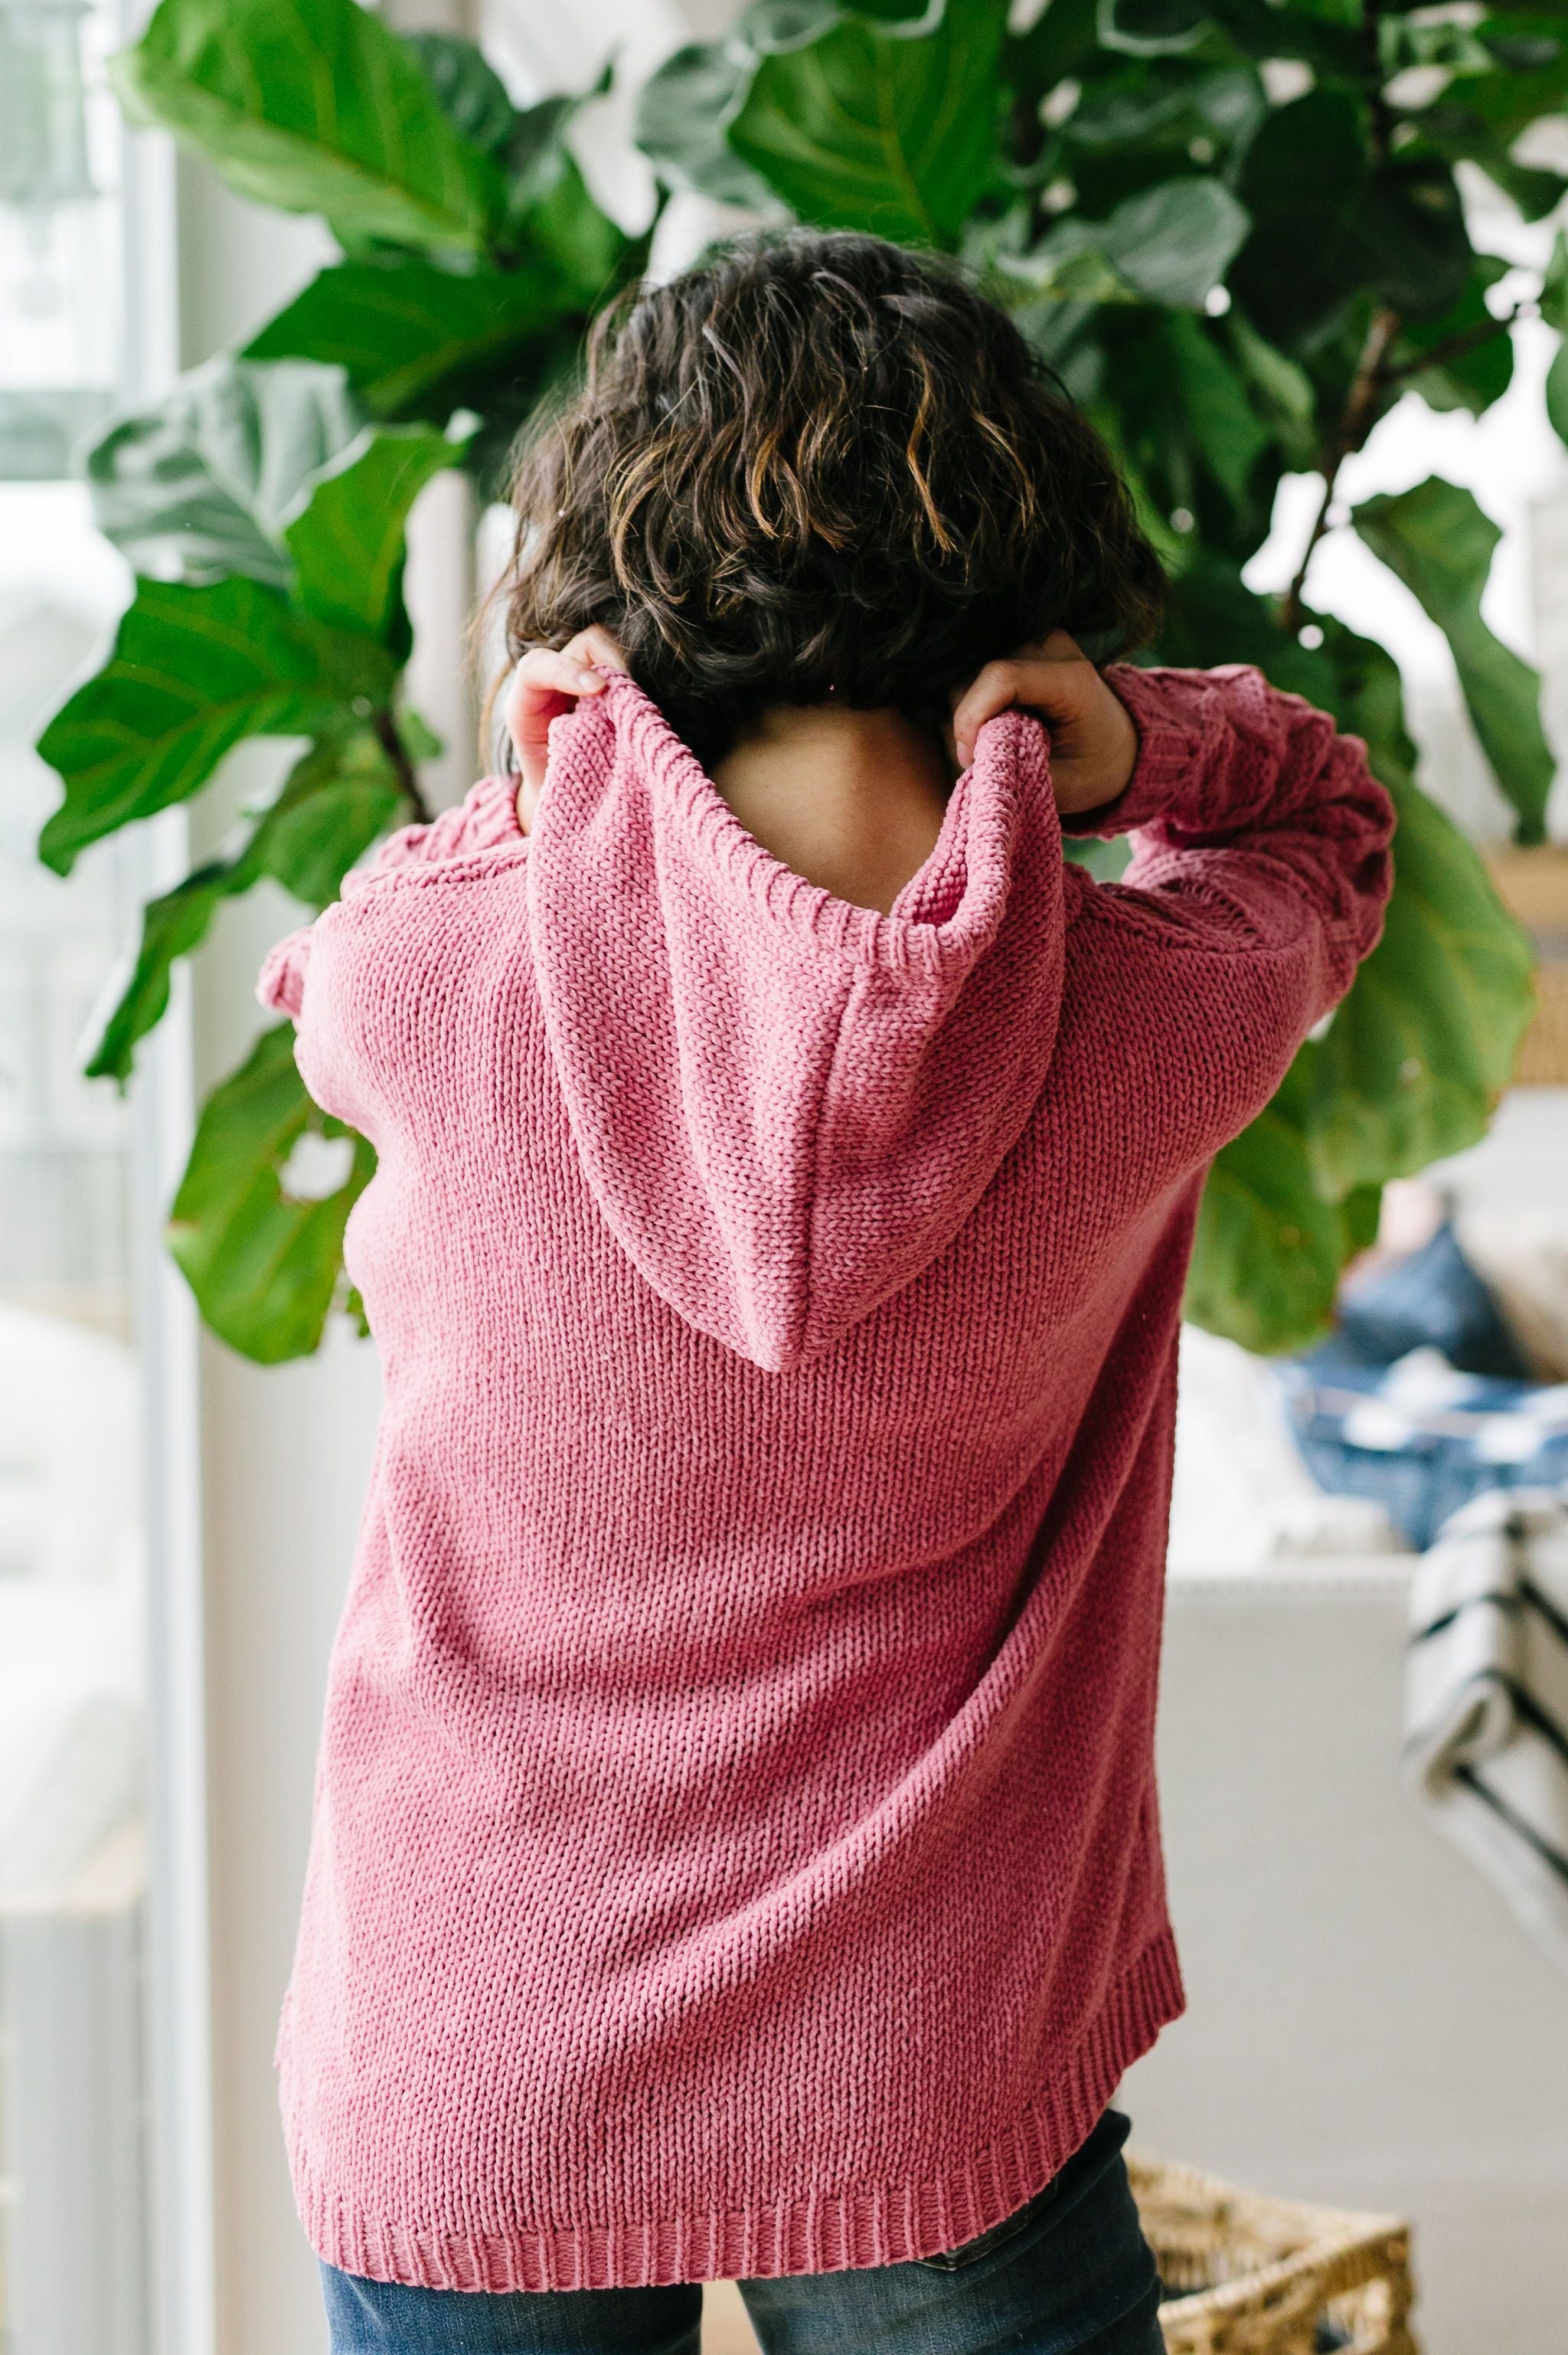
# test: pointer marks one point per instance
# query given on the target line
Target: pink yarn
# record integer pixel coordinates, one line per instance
(736, 1846)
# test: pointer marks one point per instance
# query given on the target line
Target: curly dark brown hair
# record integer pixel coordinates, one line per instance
(819, 466)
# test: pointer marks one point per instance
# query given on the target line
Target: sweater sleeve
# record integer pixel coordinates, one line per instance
(1261, 867)
(1257, 824)
(487, 817)
(484, 818)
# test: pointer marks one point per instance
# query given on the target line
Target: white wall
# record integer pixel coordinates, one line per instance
(1368, 2026)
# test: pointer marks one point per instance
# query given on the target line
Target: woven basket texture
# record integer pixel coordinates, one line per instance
(1533, 884)
(1247, 2275)
(1543, 1051)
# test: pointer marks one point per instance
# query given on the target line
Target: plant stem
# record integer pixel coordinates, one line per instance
(385, 732)
(1355, 424)
(1454, 347)
(1374, 378)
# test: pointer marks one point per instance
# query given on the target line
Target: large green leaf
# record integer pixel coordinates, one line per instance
(316, 107)
(200, 483)
(1416, 1059)
(337, 799)
(1460, 132)
(411, 335)
(1171, 244)
(1150, 110)
(1153, 29)
(1440, 544)
(1412, 1063)
(1282, 390)
(1557, 392)
(1470, 377)
(470, 92)
(1555, 310)
(537, 137)
(885, 126)
(553, 224)
(1175, 242)
(550, 220)
(1213, 617)
(265, 1267)
(1331, 38)
(1061, 39)
(347, 542)
(1328, 226)
(684, 114)
(1482, 115)
(1302, 180)
(1269, 1248)
(1408, 242)
(193, 670)
(172, 927)
(1225, 430)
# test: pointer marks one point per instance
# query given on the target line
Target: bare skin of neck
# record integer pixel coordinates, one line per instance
(852, 800)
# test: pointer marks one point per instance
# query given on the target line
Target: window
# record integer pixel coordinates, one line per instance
(76, 2272)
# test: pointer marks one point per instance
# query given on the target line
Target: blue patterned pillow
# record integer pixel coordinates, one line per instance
(1420, 1437)
(1433, 1299)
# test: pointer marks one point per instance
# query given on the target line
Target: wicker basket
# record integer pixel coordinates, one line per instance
(1533, 884)
(1253, 2276)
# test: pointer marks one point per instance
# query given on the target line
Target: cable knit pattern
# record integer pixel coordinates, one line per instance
(736, 1846)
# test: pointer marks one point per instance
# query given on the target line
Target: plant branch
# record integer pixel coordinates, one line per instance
(1355, 424)
(1454, 347)
(385, 732)
(1373, 378)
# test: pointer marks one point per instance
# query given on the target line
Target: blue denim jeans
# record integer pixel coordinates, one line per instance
(1070, 2274)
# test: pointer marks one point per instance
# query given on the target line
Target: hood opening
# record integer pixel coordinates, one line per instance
(786, 1106)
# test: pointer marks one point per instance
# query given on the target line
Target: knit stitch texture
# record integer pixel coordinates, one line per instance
(735, 1848)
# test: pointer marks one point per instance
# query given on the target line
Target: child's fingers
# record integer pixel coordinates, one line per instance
(995, 688)
(546, 682)
(1094, 743)
(1052, 683)
(546, 672)
(595, 645)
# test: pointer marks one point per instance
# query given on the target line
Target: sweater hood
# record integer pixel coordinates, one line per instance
(786, 1106)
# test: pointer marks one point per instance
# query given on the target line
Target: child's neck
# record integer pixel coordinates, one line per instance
(852, 800)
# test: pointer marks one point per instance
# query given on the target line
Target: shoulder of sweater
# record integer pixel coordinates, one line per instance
(472, 838)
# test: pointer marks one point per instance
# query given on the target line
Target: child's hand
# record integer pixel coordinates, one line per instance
(1093, 742)
(544, 684)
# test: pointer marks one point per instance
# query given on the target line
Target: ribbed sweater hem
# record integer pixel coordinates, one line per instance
(831, 2232)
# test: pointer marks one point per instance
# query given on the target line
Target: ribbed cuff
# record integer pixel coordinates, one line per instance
(1170, 751)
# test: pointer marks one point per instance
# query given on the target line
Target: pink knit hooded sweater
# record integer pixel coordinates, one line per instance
(736, 1846)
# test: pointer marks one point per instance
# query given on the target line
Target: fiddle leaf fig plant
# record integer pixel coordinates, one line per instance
(1232, 228)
